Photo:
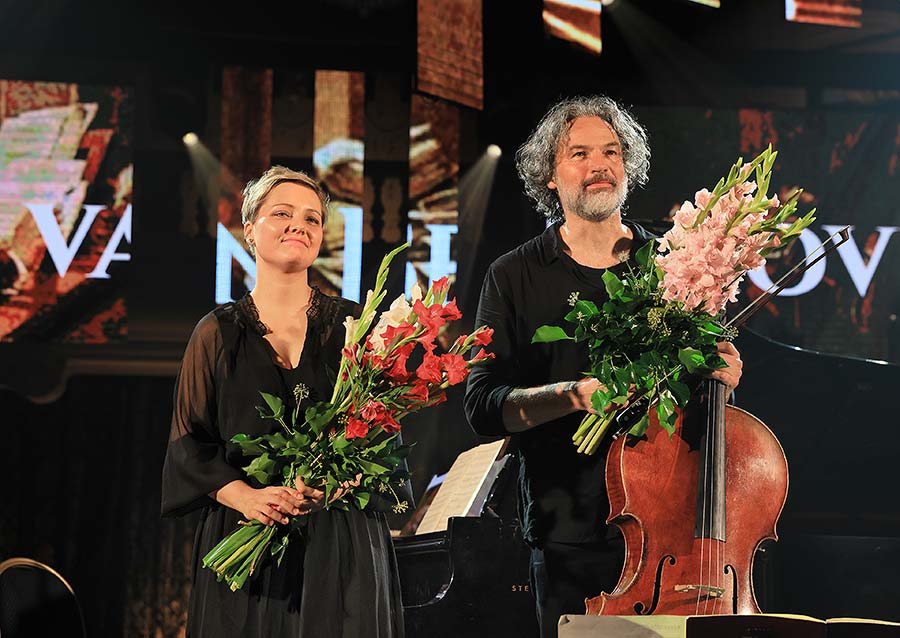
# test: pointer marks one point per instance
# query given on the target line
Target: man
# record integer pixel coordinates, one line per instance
(578, 165)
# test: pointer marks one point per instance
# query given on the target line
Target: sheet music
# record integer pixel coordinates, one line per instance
(462, 485)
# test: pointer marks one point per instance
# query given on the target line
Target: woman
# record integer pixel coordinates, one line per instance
(284, 338)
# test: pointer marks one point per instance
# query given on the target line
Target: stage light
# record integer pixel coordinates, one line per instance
(494, 151)
(606, 3)
(190, 139)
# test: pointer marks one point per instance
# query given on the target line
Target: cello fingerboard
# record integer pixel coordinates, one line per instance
(710, 517)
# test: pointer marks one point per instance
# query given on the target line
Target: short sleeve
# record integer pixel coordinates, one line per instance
(195, 462)
(491, 382)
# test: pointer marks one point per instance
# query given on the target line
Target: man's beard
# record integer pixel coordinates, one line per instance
(596, 206)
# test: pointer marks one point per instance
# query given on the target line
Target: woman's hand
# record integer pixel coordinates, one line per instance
(344, 488)
(268, 505)
(730, 375)
(313, 499)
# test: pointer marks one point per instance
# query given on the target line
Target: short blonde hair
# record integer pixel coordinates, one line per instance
(256, 191)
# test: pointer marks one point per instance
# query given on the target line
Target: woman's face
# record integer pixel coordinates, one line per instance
(288, 229)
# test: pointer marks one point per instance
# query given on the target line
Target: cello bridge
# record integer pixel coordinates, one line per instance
(709, 590)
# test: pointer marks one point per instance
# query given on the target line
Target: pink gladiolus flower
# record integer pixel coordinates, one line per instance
(703, 265)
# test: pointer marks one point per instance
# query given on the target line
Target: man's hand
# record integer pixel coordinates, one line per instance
(731, 375)
(580, 393)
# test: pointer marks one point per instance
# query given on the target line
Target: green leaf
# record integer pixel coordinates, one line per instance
(362, 499)
(249, 446)
(645, 255)
(402, 451)
(378, 448)
(665, 411)
(319, 416)
(279, 545)
(340, 443)
(613, 284)
(375, 469)
(692, 359)
(275, 404)
(587, 308)
(549, 334)
(680, 391)
(261, 468)
(640, 427)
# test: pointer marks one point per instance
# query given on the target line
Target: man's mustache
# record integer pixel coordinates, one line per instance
(604, 177)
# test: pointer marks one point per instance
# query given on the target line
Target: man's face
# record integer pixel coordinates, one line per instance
(590, 174)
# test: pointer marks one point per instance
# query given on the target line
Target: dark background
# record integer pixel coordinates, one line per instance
(85, 427)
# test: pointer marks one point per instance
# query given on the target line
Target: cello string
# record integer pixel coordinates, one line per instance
(720, 434)
(710, 463)
(703, 499)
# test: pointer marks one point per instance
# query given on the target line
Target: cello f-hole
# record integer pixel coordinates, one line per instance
(639, 606)
(729, 569)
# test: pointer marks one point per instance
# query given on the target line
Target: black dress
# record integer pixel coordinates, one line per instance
(341, 582)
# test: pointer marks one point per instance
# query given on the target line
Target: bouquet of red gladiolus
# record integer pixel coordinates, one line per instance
(349, 446)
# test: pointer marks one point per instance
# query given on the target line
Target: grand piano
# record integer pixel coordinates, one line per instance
(839, 544)
(471, 580)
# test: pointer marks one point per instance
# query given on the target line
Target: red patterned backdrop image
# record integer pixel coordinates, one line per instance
(65, 211)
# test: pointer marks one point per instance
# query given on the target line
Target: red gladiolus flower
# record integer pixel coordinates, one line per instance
(398, 372)
(429, 316)
(430, 369)
(482, 354)
(372, 411)
(484, 337)
(432, 319)
(437, 399)
(456, 368)
(399, 332)
(388, 423)
(440, 285)
(450, 312)
(356, 428)
(419, 392)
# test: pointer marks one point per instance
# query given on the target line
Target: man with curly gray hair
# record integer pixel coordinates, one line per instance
(536, 160)
(578, 166)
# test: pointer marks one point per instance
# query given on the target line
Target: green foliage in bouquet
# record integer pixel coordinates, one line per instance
(639, 345)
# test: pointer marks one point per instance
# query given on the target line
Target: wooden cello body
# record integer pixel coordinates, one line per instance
(693, 511)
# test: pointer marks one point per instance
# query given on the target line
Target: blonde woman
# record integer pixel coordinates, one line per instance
(284, 338)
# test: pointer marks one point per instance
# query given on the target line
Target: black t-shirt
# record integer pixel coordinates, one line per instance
(562, 493)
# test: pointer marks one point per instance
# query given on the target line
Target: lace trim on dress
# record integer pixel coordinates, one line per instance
(248, 313)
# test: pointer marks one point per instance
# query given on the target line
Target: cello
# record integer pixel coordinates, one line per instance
(694, 510)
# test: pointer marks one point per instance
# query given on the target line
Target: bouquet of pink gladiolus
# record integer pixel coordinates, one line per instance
(665, 317)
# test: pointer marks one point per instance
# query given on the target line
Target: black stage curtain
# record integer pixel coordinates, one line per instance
(81, 494)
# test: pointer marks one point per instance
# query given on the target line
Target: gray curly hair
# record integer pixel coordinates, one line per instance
(536, 158)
